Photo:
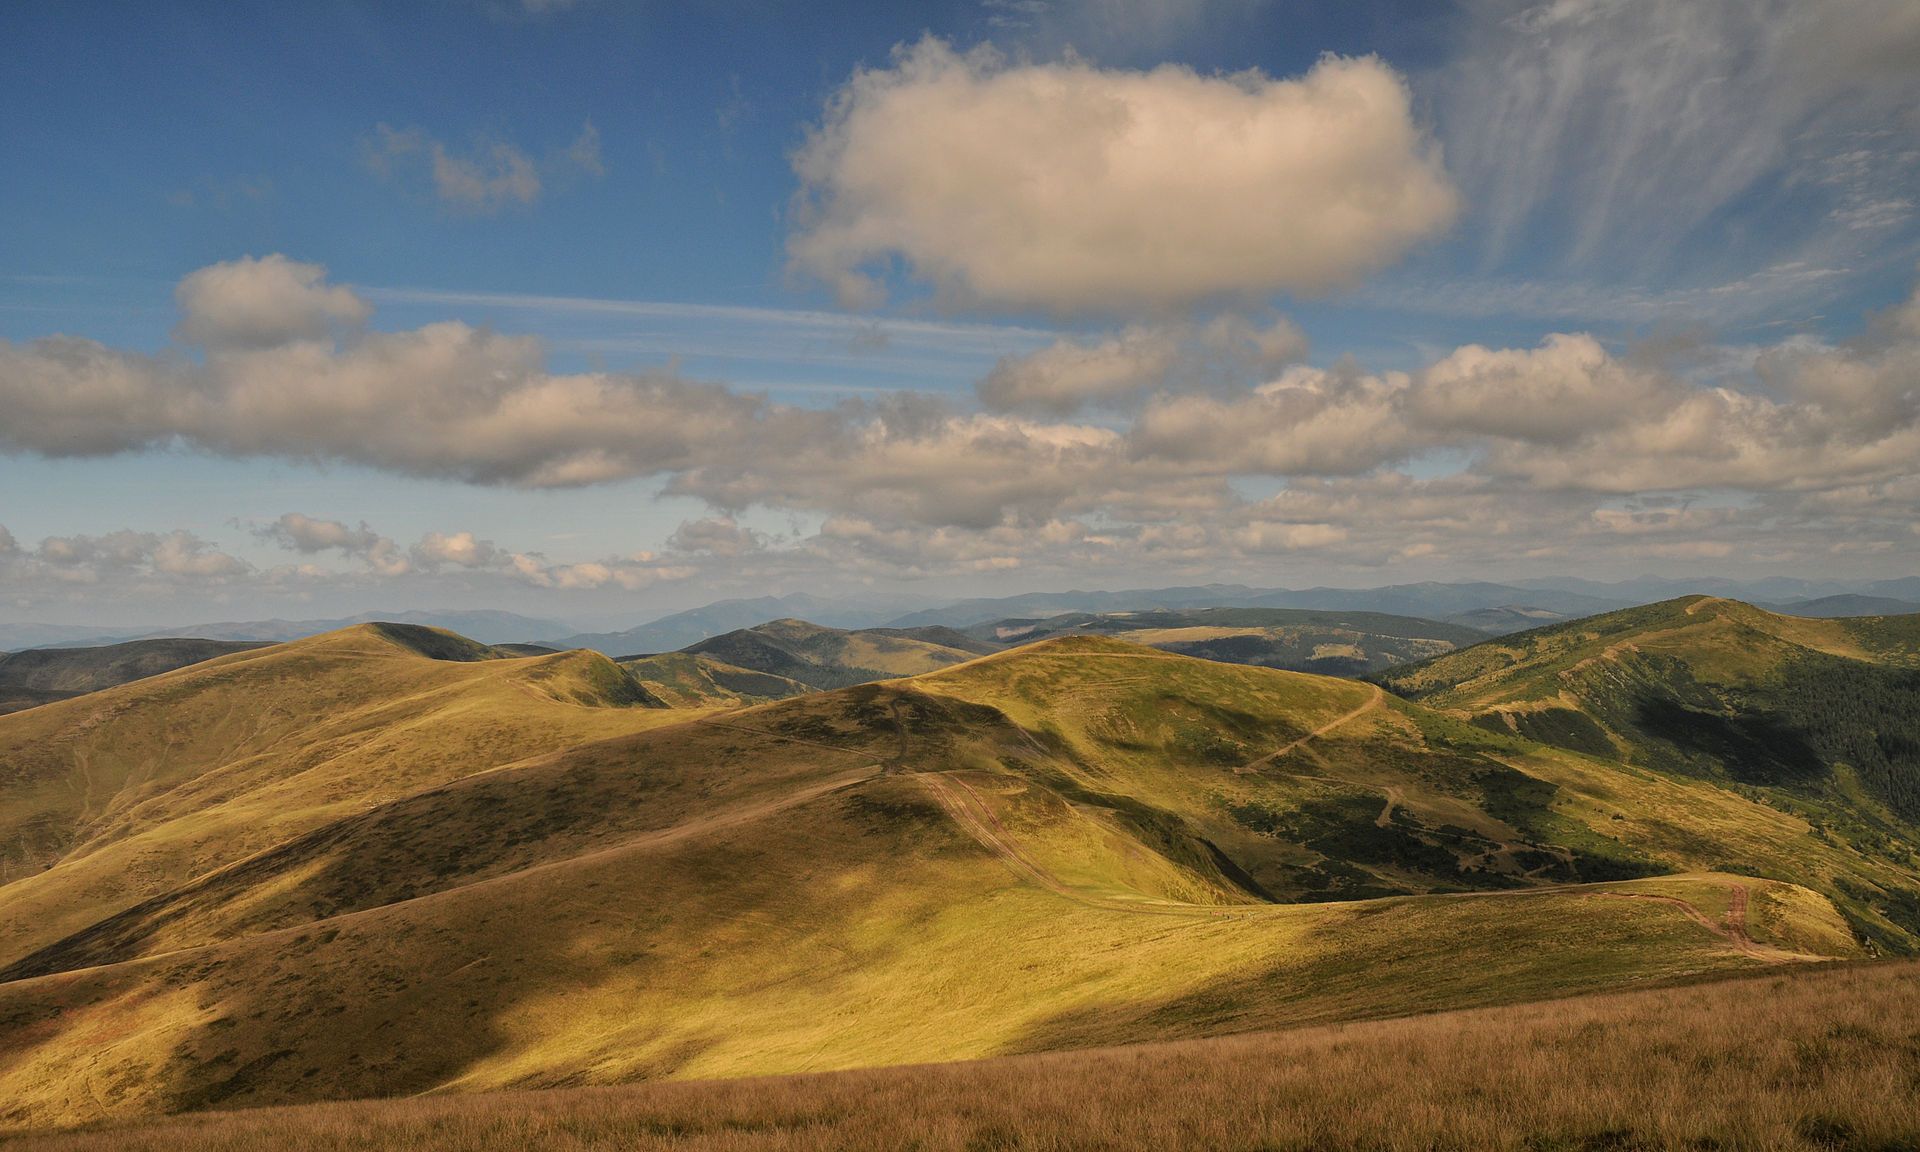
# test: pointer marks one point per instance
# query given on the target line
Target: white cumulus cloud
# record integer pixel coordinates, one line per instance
(1077, 189)
(251, 303)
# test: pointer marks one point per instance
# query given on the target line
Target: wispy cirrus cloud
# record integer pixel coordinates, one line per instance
(1613, 136)
(1107, 29)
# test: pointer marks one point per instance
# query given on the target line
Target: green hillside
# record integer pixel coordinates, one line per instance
(1816, 718)
(1075, 843)
(1302, 640)
(826, 658)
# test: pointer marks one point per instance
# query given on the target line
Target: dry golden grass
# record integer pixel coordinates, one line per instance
(112, 798)
(1030, 852)
(1813, 1059)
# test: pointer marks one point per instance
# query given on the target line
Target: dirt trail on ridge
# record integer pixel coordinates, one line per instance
(1733, 930)
(1378, 698)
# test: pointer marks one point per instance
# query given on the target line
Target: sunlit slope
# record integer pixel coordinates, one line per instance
(1071, 844)
(111, 798)
(844, 926)
(1118, 772)
(1820, 719)
(1321, 789)
(1806, 1060)
(1722, 642)
(543, 811)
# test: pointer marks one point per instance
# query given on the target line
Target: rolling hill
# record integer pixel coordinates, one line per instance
(491, 873)
(110, 798)
(687, 680)
(681, 629)
(1506, 618)
(826, 658)
(1817, 717)
(1331, 643)
(41, 676)
(486, 625)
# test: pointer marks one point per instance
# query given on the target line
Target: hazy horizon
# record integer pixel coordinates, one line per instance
(883, 605)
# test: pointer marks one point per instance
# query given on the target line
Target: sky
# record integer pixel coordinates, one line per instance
(593, 310)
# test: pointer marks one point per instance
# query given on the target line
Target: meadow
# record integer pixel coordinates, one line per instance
(1822, 1058)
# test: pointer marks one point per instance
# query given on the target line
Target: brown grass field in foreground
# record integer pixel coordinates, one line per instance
(1816, 1059)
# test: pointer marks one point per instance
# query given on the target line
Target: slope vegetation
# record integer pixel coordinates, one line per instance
(1818, 718)
(1330, 643)
(1802, 1062)
(43, 675)
(826, 658)
(1076, 843)
(686, 680)
(110, 798)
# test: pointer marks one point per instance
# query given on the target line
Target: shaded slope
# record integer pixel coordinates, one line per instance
(827, 658)
(1329, 643)
(112, 797)
(686, 680)
(680, 629)
(43, 675)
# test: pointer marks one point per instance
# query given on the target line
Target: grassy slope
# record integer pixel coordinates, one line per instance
(1814, 718)
(1722, 641)
(827, 658)
(111, 798)
(91, 669)
(1329, 643)
(686, 680)
(1811, 1060)
(17, 699)
(43, 675)
(1042, 849)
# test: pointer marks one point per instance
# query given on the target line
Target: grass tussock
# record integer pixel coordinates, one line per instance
(1816, 1059)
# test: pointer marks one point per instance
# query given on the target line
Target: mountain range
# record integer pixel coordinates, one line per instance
(1484, 606)
(486, 625)
(392, 860)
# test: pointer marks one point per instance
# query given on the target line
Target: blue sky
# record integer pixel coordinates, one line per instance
(1719, 196)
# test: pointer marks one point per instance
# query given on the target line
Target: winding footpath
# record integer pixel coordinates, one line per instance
(1378, 698)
